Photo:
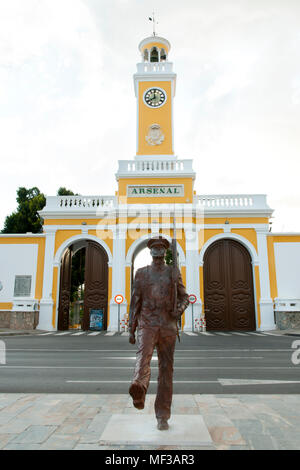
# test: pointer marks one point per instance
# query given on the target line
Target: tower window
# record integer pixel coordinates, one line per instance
(163, 55)
(154, 55)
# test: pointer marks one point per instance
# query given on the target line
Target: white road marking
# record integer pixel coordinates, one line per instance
(95, 333)
(270, 334)
(129, 351)
(239, 334)
(78, 334)
(151, 381)
(130, 367)
(190, 333)
(255, 334)
(231, 382)
(110, 333)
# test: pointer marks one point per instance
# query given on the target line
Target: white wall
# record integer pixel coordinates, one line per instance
(287, 262)
(17, 260)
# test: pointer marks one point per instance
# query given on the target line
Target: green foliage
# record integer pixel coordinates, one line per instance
(26, 218)
(169, 257)
(77, 275)
(65, 192)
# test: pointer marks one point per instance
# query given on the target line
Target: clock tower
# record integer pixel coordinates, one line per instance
(155, 176)
(154, 85)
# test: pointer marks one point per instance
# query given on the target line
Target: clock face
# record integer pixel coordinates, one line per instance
(155, 97)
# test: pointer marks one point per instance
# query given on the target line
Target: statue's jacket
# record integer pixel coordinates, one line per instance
(152, 300)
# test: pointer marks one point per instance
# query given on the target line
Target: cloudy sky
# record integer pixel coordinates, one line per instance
(67, 104)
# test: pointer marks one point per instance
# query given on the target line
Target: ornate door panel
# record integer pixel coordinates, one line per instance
(241, 301)
(215, 288)
(228, 287)
(64, 290)
(96, 282)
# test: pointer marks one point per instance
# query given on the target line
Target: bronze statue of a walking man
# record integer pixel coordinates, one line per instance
(152, 312)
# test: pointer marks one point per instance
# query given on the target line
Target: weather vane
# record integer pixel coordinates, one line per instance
(152, 18)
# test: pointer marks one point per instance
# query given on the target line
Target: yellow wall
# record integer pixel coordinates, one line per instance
(60, 222)
(106, 236)
(236, 220)
(148, 116)
(128, 286)
(54, 296)
(248, 233)
(6, 305)
(257, 288)
(109, 292)
(62, 235)
(40, 270)
(201, 279)
(183, 275)
(272, 267)
(159, 45)
(206, 234)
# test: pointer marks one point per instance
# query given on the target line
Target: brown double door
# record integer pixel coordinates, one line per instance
(95, 285)
(228, 287)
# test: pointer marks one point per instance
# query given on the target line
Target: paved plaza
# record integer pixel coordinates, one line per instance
(62, 421)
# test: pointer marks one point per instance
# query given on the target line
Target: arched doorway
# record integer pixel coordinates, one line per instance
(228, 287)
(139, 255)
(95, 289)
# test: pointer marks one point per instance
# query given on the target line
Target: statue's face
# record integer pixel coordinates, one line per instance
(158, 251)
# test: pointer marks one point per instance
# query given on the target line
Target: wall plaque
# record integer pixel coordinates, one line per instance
(22, 286)
(153, 190)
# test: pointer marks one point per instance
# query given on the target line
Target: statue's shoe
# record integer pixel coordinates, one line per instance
(137, 393)
(162, 424)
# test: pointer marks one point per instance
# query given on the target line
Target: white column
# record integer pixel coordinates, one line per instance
(266, 303)
(118, 279)
(192, 277)
(46, 303)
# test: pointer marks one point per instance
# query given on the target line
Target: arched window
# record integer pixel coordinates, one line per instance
(163, 55)
(146, 55)
(154, 55)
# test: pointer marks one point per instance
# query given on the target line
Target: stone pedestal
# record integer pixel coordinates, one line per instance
(184, 431)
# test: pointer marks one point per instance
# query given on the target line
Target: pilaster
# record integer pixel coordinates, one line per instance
(266, 302)
(118, 278)
(192, 277)
(46, 303)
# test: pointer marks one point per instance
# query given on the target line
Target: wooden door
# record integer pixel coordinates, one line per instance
(228, 287)
(96, 282)
(64, 290)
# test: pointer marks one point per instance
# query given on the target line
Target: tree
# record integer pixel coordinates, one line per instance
(78, 275)
(26, 218)
(169, 257)
(65, 192)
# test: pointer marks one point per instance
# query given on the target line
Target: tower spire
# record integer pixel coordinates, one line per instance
(152, 18)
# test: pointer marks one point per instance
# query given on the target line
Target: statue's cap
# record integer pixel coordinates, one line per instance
(158, 241)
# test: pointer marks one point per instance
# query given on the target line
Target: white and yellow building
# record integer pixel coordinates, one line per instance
(241, 273)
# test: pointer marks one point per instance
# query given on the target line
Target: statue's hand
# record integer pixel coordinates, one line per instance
(132, 338)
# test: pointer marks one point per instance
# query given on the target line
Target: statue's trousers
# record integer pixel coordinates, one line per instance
(147, 340)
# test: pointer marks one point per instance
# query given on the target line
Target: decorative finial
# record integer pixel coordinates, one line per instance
(152, 18)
